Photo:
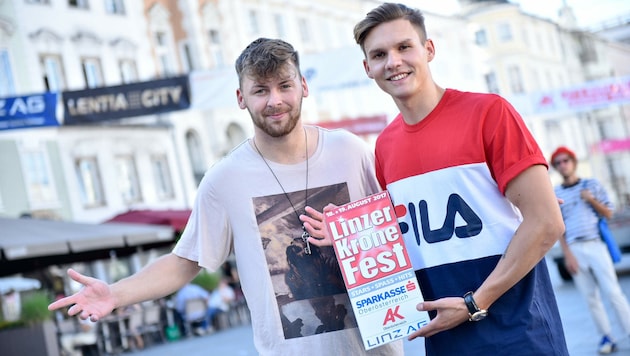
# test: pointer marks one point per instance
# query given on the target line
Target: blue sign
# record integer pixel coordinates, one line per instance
(28, 111)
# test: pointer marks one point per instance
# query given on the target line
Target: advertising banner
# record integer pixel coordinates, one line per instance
(584, 97)
(28, 111)
(123, 101)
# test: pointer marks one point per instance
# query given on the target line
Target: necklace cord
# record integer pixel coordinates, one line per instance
(278, 180)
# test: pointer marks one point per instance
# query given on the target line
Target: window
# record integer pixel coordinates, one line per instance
(215, 46)
(128, 179)
(7, 86)
(195, 154)
(481, 39)
(491, 83)
(160, 38)
(278, 19)
(305, 32)
(525, 35)
(92, 72)
(89, 182)
(516, 80)
(162, 51)
(504, 32)
(38, 177)
(128, 70)
(213, 37)
(115, 7)
(162, 177)
(165, 64)
(254, 26)
(188, 58)
(52, 69)
(80, 4)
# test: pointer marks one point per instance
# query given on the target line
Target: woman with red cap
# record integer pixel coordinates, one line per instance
(586, 256)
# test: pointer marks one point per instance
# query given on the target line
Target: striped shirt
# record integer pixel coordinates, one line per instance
(580, 219)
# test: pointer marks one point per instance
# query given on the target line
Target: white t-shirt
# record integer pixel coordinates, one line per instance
(298, 302)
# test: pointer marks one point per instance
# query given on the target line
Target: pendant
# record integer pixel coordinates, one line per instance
(305, 236)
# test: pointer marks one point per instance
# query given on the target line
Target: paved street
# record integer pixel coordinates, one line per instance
(579, 329)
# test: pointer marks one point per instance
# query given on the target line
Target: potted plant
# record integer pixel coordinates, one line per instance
(34, 333)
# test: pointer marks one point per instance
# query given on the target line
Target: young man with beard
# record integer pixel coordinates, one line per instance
(251, 202)
(480, 212)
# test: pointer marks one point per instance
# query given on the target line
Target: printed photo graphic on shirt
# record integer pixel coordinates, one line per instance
(309, 288)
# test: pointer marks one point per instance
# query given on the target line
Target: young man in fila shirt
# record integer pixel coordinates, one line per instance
(459, 163)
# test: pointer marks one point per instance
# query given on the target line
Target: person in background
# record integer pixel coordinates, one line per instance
(71, 343)
(586, 256)
(189, 292)
(230, 273)
(221, 299)
(251, 203)
(478, 209)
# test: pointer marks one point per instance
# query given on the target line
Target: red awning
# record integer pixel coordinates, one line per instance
(176, 219)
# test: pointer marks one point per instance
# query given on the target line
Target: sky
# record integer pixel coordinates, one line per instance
(588, 13)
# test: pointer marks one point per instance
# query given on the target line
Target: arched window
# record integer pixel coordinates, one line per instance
(195, 154)
(235, 135)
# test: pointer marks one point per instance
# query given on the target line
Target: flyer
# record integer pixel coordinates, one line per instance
(376, 268)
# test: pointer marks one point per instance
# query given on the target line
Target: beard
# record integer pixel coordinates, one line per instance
(276, 128)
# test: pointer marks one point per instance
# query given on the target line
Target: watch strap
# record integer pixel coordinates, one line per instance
(470, 303)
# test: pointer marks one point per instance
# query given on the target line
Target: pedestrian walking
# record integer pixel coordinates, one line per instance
(586, 256)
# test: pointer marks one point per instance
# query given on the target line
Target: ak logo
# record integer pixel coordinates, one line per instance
(420, 221)
(392, 315)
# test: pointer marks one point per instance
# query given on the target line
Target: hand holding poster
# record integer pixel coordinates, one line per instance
(378, 274)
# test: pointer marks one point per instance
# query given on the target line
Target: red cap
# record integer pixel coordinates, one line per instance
(562, 150)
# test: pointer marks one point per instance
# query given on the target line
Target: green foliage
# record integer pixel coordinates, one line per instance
(208, 281)
(35, 308)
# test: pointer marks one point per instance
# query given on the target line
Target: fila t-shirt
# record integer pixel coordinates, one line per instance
(447, 177)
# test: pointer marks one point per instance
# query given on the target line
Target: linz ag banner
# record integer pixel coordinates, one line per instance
(28, 111)
(123, 101)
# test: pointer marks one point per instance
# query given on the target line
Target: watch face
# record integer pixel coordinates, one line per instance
(480, 315)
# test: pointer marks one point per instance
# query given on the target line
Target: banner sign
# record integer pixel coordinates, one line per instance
(123, 101)
(610, 146)
(358, 126)
(27, 111)
(587, 96)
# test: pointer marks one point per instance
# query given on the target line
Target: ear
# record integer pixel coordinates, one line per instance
(430, 47)
(240, 99)
(304, 88)
(366, 66)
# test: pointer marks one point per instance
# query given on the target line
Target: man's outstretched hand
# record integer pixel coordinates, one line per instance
(94, 301)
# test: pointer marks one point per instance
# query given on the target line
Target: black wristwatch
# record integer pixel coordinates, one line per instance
(474, 313)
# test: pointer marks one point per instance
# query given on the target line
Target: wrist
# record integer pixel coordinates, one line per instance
(474, 312)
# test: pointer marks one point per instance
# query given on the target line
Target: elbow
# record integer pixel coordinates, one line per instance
(553, 231)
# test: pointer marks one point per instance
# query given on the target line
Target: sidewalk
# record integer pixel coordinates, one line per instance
(579, 329)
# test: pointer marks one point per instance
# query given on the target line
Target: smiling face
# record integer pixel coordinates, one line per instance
(398, 60)
(274, 103)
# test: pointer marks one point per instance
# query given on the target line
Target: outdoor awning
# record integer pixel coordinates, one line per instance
(176, 219)
(28, 238)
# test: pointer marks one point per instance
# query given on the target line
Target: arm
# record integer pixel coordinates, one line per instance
(600, 208)
(97, 299)
(542, 225)
(570, 262)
